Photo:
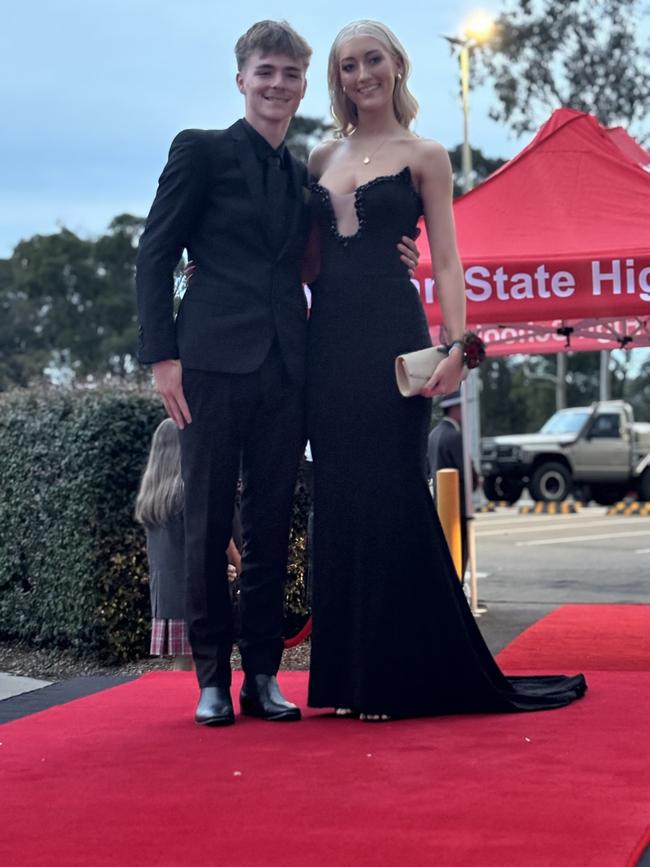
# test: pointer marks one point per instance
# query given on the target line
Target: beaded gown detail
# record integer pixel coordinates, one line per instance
(392, 630)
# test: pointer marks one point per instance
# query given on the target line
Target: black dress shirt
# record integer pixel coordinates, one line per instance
(275, 169)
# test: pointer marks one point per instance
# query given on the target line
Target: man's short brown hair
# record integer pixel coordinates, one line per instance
(272, 37)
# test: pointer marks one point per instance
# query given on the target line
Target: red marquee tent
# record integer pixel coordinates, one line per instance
(630, 147)
(557, 238)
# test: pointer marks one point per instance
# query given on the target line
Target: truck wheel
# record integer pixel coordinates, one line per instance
(509, 489)
(550, 483)
(607, 495)
(502, 488)
(644, 485)
(490, 487)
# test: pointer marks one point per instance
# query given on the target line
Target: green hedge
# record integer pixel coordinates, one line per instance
(73, 567)
(73, 570)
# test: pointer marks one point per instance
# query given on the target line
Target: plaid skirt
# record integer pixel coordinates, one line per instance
(169, 638)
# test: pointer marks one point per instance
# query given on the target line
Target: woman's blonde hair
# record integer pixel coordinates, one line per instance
(161, 490)
(343, 109)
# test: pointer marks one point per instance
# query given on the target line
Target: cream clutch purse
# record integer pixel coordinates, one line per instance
(413, 369)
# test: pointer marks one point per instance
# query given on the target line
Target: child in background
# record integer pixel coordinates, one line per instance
(159, 508)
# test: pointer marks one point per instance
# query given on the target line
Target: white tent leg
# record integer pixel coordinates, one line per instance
(471, 427)
(605, 390)
(560, 383)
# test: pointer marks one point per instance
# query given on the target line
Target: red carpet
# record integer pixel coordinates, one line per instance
(584, 637)
(124, 777)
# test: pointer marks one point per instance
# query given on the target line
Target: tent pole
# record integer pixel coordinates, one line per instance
(560, 382)
(471, 441)
(605, 391)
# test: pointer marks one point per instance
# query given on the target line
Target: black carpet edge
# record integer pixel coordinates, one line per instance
(27, 703)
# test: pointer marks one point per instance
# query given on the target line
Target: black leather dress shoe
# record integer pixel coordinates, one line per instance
(214, 707)
(261, 697)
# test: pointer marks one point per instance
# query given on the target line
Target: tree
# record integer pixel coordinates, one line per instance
(638, 393)
(304, 134)
(18, 364)
(516, 396)
(582, 54)
(482, 167)
(115, 254)
(583, 378)
(68, 302)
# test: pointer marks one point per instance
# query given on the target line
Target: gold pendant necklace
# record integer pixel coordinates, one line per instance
(369, 156)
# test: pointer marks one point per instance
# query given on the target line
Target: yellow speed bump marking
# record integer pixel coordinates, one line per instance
(630, 507)
(492, 505)
(563, 508)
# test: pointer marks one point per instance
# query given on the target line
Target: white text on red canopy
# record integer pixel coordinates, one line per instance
(608, 277)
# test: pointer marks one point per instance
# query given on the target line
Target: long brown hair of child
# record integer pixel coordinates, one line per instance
(161, 490)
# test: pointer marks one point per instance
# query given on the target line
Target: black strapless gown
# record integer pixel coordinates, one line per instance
(392, 630)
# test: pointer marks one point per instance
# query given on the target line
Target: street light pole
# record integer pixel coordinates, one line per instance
(465, 46)
(466, 161)
(478, 28)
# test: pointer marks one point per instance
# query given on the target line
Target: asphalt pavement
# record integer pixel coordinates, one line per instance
(530, 564)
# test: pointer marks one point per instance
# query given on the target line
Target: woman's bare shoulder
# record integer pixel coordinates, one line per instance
(430, 155)
(430, 164)
(321, 155)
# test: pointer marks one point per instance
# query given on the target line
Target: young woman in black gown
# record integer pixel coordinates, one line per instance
(393, 635)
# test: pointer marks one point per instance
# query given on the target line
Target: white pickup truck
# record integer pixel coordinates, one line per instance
(598, 452)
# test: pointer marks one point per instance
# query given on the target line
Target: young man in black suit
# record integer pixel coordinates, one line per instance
(230, 368)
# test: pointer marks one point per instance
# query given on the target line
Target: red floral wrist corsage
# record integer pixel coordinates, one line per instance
(472, 348)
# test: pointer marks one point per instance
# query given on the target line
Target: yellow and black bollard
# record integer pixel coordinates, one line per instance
(448, 505)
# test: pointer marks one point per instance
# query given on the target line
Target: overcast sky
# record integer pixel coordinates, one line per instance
(92, 92)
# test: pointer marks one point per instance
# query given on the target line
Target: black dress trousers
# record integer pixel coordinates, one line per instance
(253, 422)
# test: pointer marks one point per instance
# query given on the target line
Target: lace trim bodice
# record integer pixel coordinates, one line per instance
(357, 197)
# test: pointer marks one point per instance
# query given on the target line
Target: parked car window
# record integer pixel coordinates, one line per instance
(565, 422)
(606, 426)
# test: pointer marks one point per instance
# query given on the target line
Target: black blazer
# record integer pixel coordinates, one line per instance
(243, 294)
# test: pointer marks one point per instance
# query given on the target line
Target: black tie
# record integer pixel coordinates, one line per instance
(276, 198)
